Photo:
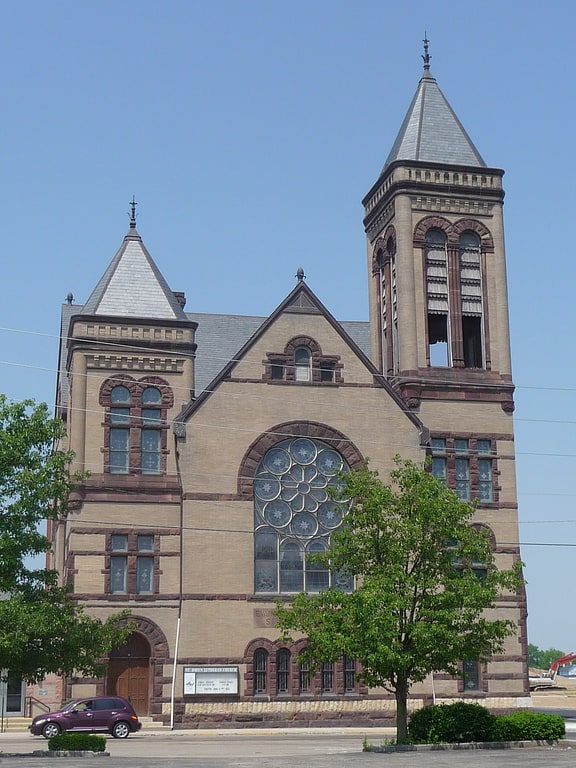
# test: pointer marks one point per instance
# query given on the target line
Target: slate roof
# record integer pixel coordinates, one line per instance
(219, 337)
(133, 286)
(431, 131)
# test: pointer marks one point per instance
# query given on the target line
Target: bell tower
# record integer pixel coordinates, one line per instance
(436, 261)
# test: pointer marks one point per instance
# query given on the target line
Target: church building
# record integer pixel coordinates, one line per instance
(212, 441)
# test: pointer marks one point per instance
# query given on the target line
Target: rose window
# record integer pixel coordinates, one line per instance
(294, 516)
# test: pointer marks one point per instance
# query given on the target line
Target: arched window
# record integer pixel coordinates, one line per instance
(260, 671)
(349, 667)
(151, 434)
(302, 366)
(327, 677)
(135, 426)
(437, 298)
(283, 671)
(304, 677)
(295, 517)
(120, 401)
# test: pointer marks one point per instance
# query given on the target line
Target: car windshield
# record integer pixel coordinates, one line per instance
(70, 706)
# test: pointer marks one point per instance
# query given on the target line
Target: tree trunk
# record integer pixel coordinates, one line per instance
(401, 693)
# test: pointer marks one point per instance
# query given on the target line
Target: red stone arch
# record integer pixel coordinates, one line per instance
(431, 222)
(135, 669)
(381, 253)
(276, 434)
(472, 225)
(488, 532)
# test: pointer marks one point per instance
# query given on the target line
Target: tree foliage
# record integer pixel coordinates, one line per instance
(540, 658)
(425, 577)
(42, 628)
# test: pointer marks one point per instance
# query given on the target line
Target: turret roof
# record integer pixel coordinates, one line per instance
(431, 131)
(133, 286)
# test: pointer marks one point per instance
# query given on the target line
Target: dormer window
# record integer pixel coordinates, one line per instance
(302, 364)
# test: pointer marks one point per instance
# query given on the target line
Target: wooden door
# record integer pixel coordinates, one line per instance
(129, 673)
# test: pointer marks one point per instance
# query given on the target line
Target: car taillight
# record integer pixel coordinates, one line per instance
(133, 717)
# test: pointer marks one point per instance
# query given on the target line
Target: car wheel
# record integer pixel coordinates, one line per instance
(120, 730)
(50, 729)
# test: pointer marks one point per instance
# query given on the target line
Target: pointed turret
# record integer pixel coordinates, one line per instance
(131, 332)
(431, 131)
(133, 286)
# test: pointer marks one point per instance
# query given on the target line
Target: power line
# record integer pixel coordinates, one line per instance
(123, 345)
(250, 532)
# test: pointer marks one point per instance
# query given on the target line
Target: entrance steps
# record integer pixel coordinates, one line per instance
(148, 723)
(15, 724)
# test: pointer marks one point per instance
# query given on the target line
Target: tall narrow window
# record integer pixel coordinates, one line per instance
(145, 565)
(291, 567)
(317, 575)
(302, 359)
(327, 677)
(260, 671)
(120, 401)
(485, 488)
(119, 564)
(462, 469)
(151, 436)
(471, 296)
(437, 298)
(439, 458)
(349, 666)
(304, 677)
(282, 670)
(471, 675)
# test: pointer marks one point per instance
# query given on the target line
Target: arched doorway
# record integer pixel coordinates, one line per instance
(129, 672)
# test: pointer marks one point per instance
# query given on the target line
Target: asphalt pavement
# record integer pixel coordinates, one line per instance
(298, 748)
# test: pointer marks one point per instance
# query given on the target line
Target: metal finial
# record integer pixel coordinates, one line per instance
(300, 274)
(426, 56)
(69, 298)
(133, 205)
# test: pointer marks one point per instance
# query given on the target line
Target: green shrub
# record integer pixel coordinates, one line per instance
(451, 723)
(76, 742)
(528, 726)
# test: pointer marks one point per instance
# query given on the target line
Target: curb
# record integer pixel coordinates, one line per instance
(494, 745)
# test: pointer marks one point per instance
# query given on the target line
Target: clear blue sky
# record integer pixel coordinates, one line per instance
(249, 132)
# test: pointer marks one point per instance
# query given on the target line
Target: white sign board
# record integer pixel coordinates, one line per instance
(203, 681)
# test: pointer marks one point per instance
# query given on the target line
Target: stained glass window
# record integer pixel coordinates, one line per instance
(294, 516)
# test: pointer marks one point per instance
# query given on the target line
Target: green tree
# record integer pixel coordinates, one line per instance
(425, 577)
(540, 658)
(42, 628)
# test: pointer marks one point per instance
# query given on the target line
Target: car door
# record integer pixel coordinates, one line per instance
(105, 711)
(81, 718)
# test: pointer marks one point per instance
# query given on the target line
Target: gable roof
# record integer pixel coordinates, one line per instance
(431, 131)
(133, 286)
(301, 300)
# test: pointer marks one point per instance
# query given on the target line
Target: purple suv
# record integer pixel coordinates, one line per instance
(105, 714)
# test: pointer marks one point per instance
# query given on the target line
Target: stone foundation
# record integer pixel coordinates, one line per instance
(368, 713)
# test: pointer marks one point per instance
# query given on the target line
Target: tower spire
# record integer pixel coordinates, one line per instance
(426, 56)
(133, 205)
